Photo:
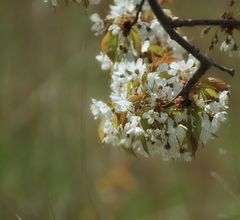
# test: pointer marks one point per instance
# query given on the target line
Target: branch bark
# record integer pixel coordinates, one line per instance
(205, 22)
(205, 63)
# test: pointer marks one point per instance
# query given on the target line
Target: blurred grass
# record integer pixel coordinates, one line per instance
(52, 165)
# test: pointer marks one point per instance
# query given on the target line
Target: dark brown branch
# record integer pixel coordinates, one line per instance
(224, 69)
(205, 62)
(167, 25)
(205, 22)
(198, 74)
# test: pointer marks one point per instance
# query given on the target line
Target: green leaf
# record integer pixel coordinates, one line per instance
(134, 99)
(157, 50)
(101, 134)
(209, 93)
(109, 45)
(136, 40)
(194, 125)
(175, 111)
(144, 123)
(129, 87)
(130, 151)
(197, 122)
(144, 144)
(144, 80)
(164, 75)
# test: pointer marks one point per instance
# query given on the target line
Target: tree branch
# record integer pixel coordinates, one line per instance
(224, 68)
(205, 62)
(197, 75)
(138, 12)
(205, 22)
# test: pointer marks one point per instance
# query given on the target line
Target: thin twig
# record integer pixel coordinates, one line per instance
(205, 62)
(138, 13)
(129, 24)
(224, 68)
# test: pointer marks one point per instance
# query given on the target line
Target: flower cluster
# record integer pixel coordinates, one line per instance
(229, 45)
(145, 116)
(84, 2)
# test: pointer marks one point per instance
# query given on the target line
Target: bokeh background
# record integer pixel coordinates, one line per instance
(52, 165)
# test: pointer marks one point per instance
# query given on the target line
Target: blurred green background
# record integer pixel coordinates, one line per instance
(52, 165)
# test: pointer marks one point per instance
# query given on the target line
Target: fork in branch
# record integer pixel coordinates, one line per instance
(170, 26)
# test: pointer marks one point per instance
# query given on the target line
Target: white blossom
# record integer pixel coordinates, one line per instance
(145, 46)
(121, 104)
(224, 99)
(217, 120)
(100, 109)
(106, 63)
(98, 24)
(228, 44)
(137, 69)
(133, 126)
(182, 68)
